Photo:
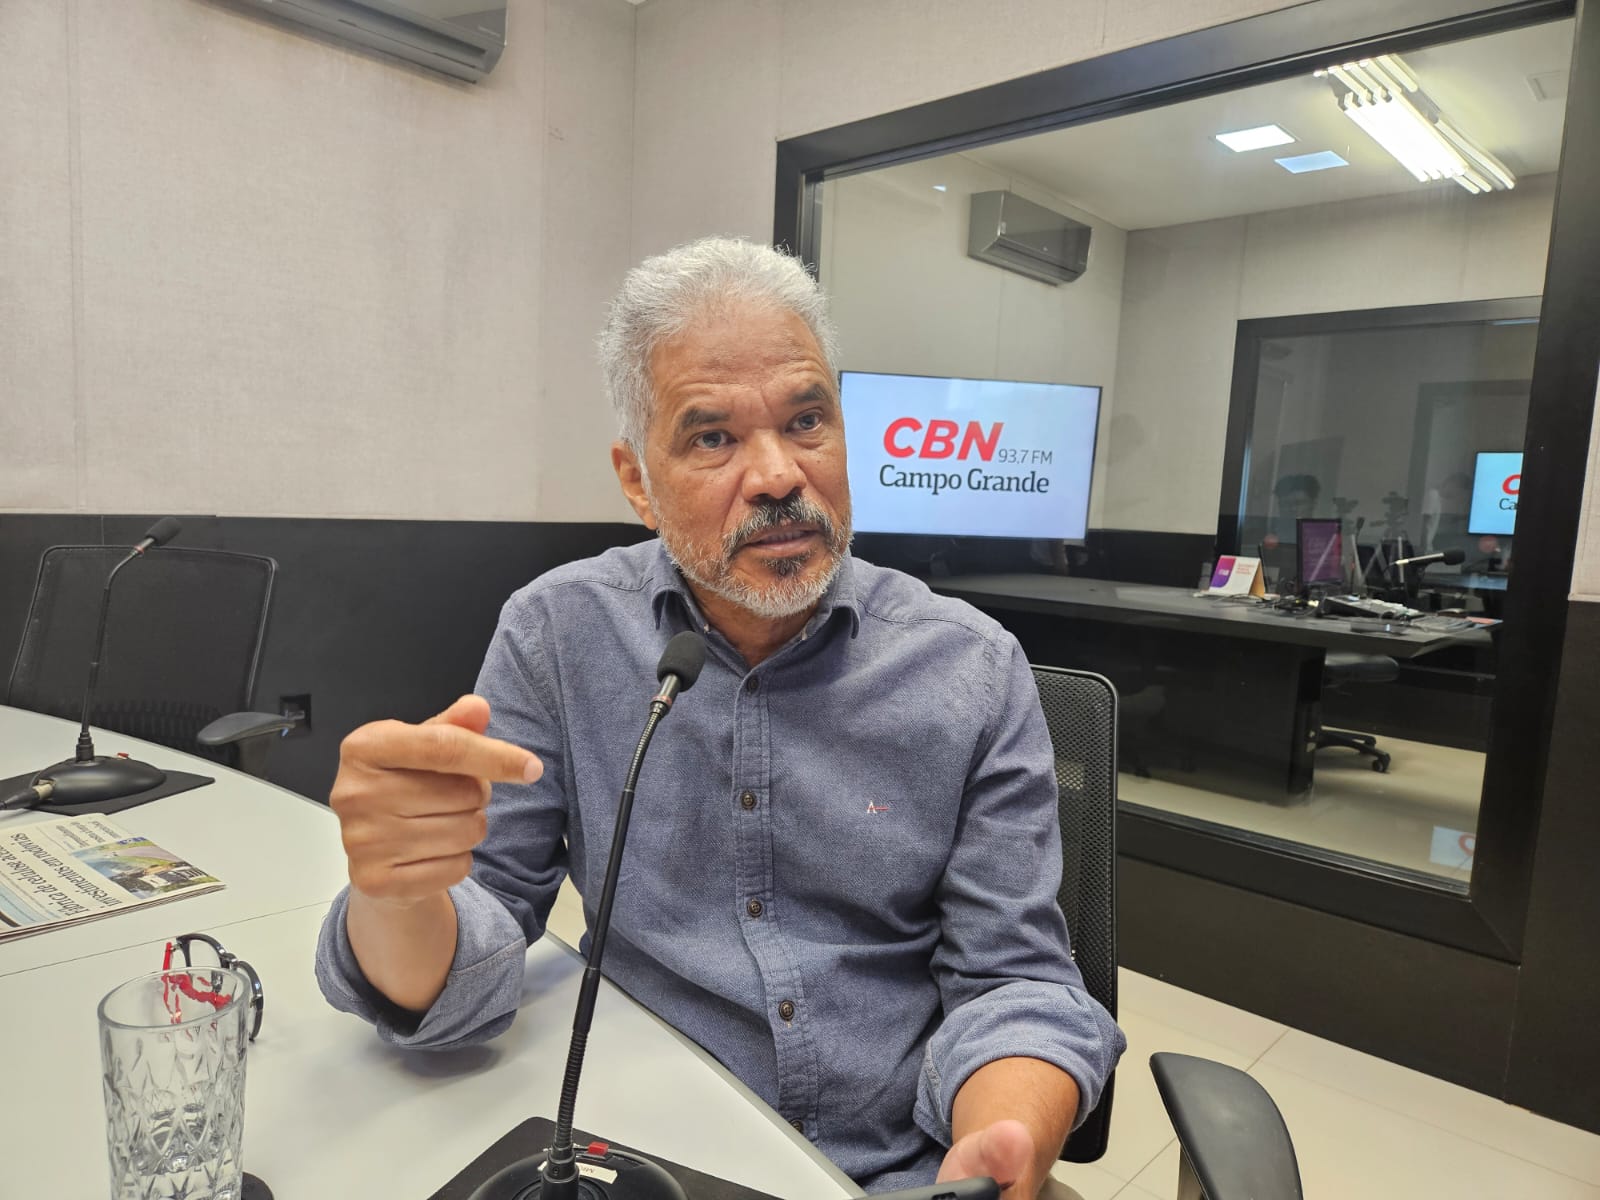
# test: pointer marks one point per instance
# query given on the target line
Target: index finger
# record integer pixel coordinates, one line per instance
(451, 750)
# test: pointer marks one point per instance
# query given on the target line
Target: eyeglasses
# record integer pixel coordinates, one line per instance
(201, 950)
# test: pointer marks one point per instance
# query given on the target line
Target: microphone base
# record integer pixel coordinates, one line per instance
(98, 780)
(616, 1175)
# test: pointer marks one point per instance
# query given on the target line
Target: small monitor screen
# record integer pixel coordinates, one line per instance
(1320, 559)
(1496, 480)
(969, 457)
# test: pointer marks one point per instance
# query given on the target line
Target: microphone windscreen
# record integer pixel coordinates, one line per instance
(163, 531)
(1454, 558)
(684, 656)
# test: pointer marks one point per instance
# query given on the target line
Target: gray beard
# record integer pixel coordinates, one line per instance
(786, 596)
(789, 594)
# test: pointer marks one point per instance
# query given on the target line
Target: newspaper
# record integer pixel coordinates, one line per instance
(58, 872)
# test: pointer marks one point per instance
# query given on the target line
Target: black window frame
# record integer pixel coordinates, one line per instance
(1251, 332)
(1489, 918)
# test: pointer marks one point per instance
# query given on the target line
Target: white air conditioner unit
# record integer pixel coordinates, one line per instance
(461, 38)
(1019, 235)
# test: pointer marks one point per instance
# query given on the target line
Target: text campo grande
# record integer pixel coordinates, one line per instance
(975, 480)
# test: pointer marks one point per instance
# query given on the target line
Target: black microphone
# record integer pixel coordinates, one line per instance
(611, 1174)
(1450, 558)
(87, 778)
(162, 532)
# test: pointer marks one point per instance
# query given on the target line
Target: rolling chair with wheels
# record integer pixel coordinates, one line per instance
(1339, 668)
(1234, 1142)
(183, 644)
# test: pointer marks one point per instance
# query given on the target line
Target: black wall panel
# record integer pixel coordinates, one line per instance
(1555, 1042)
(372, 619)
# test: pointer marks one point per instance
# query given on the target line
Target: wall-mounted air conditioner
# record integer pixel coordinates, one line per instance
(461, 38)
(1028, 238)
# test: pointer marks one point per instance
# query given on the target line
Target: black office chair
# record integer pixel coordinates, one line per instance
(1339, 668)
(1235, 1144)
(183, 642)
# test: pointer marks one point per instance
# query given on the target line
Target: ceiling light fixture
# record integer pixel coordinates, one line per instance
(1258, 138)
(1383, 97)
(1322, 160)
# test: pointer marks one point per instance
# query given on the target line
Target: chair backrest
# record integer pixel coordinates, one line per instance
(1080, 709)
(183, 639)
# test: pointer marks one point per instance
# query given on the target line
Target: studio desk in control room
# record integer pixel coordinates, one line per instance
(1215, 693)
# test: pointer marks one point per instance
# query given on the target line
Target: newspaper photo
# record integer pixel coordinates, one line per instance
(58, 872)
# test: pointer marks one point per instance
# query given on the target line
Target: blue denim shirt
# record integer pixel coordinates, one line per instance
(841, 871)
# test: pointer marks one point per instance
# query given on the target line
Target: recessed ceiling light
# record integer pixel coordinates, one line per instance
(938, 187)
(1258, 138)
(1299, 164)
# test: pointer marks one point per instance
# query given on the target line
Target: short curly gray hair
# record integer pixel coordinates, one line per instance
(662, 295)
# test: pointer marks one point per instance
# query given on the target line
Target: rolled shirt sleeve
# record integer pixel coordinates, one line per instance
(1005, 973)
(480, 995)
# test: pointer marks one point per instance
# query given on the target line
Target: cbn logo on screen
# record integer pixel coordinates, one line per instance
(1512, 485)
(939, 439)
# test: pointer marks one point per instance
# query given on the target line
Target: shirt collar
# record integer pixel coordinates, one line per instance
(666, 580)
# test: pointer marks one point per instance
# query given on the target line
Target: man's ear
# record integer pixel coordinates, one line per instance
(631, 475)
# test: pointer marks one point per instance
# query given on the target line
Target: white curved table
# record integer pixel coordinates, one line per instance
(329, 1110)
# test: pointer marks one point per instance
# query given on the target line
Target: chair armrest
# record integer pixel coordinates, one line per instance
(1232, 1135)
(237, 726)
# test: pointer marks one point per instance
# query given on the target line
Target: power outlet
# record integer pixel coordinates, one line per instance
(297, 706)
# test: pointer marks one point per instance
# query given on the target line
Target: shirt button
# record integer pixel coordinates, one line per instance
(752, 685)
(799, 1125)
(786, 1010)
(755, 910)
(747, 800)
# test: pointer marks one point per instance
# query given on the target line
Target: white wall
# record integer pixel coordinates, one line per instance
(1186, 287)
(250, 272)
(243, 271)
(908, 299)
(721, 81)
(1586, 571)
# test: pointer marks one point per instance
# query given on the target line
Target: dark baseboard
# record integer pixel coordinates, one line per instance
(1126, 555)
(1555, 1043)
(1434, 1008)
(372, 619)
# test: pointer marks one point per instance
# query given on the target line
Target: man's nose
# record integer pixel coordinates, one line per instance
(770, 469)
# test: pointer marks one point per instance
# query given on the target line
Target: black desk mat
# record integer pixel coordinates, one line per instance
(177, 781)
(533, 1136)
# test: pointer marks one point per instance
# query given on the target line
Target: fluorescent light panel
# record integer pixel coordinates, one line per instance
(1322, 160)
(1258, 138)
(1384, 98)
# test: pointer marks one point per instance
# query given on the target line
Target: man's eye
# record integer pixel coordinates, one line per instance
(808, 421)
(713, 440)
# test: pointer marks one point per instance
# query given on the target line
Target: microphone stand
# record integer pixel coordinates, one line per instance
(88, 778)
(613, 1174)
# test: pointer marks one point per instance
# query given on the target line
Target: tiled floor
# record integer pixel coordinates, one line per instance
(1395, 817)
(1363, 1128)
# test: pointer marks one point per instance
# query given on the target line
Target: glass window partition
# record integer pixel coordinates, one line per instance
(1285, 314)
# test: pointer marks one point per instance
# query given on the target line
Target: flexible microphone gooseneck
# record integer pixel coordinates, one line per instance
(87, 778)
(614, 1175)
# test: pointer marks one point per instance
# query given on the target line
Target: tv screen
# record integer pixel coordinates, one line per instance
(969, 457)
(1496, 480)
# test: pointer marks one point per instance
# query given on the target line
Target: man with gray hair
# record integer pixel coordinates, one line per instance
(842, 879)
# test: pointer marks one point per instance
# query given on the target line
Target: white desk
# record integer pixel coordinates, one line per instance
(329, 1110)
(242, 829)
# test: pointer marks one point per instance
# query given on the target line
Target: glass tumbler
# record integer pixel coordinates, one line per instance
(172, 1056)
